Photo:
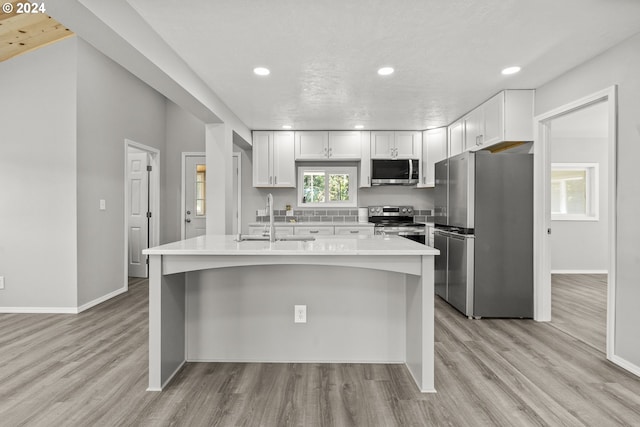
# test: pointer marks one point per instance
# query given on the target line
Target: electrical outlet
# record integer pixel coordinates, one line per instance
(1, 282)
(299, 314)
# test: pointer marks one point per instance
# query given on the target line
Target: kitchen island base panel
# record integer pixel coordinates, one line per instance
(246, 314)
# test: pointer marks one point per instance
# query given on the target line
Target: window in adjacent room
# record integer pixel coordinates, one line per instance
(574, 191)
(327, 186)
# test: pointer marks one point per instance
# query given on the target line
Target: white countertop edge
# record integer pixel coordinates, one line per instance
(323, 246)
(314, 224)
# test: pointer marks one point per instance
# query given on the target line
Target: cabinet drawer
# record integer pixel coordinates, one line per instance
(319, 230)
(354, 230)
(264, 229)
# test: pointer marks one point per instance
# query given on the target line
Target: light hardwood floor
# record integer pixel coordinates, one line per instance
(91, 369)
(579, 307)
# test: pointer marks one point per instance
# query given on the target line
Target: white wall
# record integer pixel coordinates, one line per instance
(184, 133)
(38, 179)
(582, 245)
(113, 105)
(618, 66)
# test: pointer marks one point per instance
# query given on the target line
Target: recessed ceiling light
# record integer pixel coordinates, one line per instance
(286, 126)
(359, 126)
(385, 71)
(510, 70)
(261, 71)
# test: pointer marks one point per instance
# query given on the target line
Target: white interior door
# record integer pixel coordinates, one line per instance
(138, 206)
(195, 209)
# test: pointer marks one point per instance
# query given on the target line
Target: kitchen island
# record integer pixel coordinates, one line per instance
(201, 290)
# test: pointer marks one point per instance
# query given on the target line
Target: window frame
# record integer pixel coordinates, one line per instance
(592, 191)
(352, 171)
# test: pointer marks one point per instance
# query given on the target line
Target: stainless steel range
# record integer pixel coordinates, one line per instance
(398, 220)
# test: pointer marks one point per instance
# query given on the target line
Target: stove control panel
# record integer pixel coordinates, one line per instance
(390, 210)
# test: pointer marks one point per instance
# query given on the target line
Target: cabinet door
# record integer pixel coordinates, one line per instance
(284, 166)
(382, 144)
(344, 145)
(493, 120)
(408, 145)
(312, 146)
(262, 161)
(316, 230)
(365, 161)
(354, 230)
(456, 138)
(473, 128)
(434, 149)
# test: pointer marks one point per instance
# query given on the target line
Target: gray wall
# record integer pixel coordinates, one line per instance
(113, 105)
(618, 66)
(185, 133)
(582, 245)
(38, 178)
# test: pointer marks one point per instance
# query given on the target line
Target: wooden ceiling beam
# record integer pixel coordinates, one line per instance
(21, 33)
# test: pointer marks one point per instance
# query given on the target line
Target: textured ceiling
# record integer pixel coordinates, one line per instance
(323, 54)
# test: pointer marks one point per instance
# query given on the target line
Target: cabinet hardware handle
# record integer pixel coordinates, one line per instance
(314, 231)
(481, 138)
(270, 180)
(275, 180)
(354, 231)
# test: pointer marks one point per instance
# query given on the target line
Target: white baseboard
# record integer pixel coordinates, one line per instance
(39, 310)
(579, 271)
(102, 299)
(63, 310)
(624, 364)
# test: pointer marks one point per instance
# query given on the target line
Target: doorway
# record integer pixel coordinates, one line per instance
(579, 223)
(555, 195)
(141, 195)
(194, 202)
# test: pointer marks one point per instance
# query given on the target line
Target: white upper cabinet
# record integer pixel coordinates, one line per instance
(434, 149)
(473, 124)
(365, 162)
(508, 116)
(345, 145)
(322, 145)
(396, 145)
(273, 159)
(456, 138)
(312, 145)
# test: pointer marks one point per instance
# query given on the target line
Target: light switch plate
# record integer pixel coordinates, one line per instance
(103, 205)
(299, 314)
(1, 282)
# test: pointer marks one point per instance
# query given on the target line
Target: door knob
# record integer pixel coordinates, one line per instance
(187, 220)
(188, 212)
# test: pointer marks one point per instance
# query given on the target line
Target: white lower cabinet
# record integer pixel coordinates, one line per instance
(314, 230)
(281, 230)
(351, 230)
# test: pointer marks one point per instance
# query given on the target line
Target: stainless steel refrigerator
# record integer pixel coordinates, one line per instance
(484, 231)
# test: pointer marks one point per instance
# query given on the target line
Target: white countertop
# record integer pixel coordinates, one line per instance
(314, 224)
(323, 245)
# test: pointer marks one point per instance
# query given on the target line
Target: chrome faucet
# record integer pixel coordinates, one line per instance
(272, 227)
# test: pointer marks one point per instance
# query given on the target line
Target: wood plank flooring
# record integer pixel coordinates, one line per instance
(91, 370)
(579, 307)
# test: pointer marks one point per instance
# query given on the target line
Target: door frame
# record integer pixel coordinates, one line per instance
(183, 183)
(154, 199)
(541, 206)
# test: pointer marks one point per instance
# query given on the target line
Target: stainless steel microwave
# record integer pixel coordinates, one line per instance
(394, 172)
